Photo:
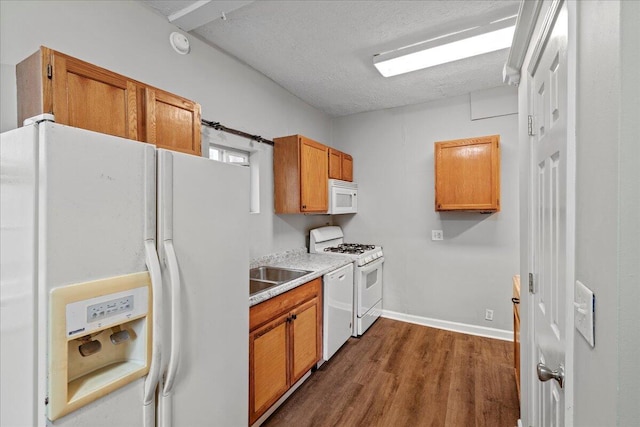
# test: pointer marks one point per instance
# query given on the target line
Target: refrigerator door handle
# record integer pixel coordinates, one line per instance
(174, 276)
(151, 382)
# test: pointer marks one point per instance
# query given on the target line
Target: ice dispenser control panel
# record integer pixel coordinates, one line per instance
(86, 316)
(111, 308)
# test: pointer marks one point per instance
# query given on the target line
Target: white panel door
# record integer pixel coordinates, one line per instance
(203, 208)
(552, 231)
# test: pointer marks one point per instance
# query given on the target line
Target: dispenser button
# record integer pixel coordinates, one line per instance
(114, 307)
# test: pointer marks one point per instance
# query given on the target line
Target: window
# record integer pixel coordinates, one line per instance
(238, 156)
(228, 155)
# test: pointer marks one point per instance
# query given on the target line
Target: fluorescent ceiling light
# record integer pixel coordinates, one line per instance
(456, 46)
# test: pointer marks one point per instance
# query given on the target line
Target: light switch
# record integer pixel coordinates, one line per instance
(584, 306)
(437, 235)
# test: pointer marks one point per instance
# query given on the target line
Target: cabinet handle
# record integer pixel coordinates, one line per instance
(294, 316)
(515, 300)
(304, 206)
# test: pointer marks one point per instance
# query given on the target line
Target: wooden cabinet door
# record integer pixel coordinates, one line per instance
(335, 164)
(313, 176)
(340, 165)
(172, 122)
(347, 167)
(90, 97)
(306, 338)
(467, 174)
(268, 365)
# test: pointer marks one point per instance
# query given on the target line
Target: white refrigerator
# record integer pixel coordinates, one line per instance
(78, 209)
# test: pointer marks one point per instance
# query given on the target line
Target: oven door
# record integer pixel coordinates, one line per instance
(343, 200)
(369, 285)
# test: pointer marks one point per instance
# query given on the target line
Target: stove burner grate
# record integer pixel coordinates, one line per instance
(350, 248)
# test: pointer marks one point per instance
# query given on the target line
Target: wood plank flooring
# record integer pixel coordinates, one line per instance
(400, 374)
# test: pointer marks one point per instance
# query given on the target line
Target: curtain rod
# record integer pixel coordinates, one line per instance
(218, 126)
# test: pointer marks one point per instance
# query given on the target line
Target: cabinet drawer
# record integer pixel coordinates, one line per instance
(261, 313)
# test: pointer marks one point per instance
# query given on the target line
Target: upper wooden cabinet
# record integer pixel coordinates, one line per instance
(79, 94)
(335, 164)
(172, 122)
(340, 165)
(301, 173)
(347, 167)
(467, 174)
(83, 95)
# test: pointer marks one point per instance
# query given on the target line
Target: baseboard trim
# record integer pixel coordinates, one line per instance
(481, 331)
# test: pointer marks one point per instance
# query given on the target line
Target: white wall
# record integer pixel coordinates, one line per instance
(607, 377)
(128, 38)
(455, 279)
(629, 218)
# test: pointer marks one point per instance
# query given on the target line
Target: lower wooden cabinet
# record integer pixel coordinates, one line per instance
(269, 365)
(305, 338)
(285, 341)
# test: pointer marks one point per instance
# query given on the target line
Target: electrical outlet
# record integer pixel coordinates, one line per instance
(437, 235)
(488, 314)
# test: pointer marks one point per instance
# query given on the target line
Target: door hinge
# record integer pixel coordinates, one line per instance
(531, 290)
(49, 71)
(530, 125)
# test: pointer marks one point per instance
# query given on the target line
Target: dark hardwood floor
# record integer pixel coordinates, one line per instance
(400, 374)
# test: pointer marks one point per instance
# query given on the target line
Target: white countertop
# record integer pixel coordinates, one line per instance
(299, 259)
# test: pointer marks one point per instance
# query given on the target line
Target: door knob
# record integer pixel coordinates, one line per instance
(546, 374)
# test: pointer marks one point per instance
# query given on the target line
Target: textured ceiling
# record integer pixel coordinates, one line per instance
(321, 51)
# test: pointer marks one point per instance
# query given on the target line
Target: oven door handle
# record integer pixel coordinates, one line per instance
(368, 268)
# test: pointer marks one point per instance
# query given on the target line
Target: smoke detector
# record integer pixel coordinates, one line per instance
(179, 42)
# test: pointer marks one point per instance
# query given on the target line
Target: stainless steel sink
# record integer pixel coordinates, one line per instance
(256, 286)
(276, 274)
(263, 278)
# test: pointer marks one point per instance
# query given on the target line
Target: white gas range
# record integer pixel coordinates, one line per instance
(368, 262)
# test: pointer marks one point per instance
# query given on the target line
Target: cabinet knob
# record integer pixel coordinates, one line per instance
(294, 316)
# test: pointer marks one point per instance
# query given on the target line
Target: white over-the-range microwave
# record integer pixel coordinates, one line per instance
(343, 197)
